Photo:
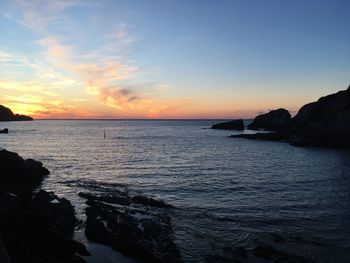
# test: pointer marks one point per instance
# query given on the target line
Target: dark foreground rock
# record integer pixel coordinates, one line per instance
(139, 228)
(35, 228)
(4, 130)
(7, 115)
(276, 120)
(230, 125)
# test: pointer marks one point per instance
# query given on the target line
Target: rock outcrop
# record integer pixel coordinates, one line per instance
(35, 227)
(136, 226)
(275, 120)
(325, 123)
(7, 115)
(230, 125)
(4, 130)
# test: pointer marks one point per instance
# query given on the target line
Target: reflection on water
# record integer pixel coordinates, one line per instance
(228, 190)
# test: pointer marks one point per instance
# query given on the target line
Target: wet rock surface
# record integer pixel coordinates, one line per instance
(230, 125)
(136, 226)
(35, 227)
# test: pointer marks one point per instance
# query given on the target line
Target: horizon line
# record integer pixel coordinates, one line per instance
(137, 119)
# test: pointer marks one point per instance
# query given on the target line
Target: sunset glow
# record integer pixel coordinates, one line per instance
(163, 59)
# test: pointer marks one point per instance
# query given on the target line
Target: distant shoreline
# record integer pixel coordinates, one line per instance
(137, 119)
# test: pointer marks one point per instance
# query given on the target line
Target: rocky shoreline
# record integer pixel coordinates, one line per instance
(37, 226)
(324, 123)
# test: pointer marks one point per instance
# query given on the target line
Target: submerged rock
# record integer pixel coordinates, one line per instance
(230, 125)
(275, 120)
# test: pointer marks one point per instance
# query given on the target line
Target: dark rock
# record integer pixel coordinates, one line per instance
(16, 171)
(4, 130)
(325, 122)
(276, 120)
(7, 115)
(230, 125)
(112, 199)
(34, 227)
(132, 231)
(95, 229)
(139, 199)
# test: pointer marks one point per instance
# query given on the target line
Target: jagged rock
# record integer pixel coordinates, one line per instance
(276, 120)
(4, 130)
(325, 122)
(34, 227)
(230, 125)
(133, 231)
(112, 199)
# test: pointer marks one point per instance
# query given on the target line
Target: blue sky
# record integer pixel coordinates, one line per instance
(170, 59)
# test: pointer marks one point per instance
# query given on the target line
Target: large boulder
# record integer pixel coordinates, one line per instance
(230, 125)
(17, 171)
(275, 120)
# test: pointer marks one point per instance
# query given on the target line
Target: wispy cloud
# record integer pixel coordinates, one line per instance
(101, 74)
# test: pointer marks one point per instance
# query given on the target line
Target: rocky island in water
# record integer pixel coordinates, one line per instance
(325, 122)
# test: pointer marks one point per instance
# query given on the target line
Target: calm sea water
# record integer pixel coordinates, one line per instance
(229, 191)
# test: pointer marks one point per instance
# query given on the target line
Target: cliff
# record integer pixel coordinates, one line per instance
(325, 122)
(7, 115)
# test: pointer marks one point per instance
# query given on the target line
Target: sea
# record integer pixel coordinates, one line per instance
(229, 192)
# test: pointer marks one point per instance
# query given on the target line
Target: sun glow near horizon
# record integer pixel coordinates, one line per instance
(115, 59)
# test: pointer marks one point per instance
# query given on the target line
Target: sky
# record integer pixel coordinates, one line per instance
(170, 58)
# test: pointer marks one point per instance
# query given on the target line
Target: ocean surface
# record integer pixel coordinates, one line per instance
(229, 191)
